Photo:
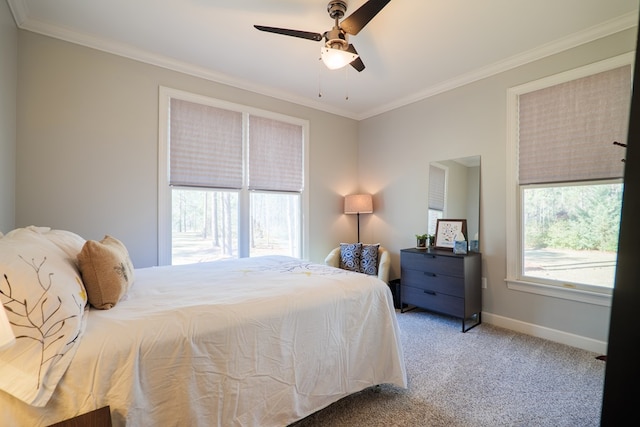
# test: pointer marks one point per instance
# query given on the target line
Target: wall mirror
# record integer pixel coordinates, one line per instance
(454, 193)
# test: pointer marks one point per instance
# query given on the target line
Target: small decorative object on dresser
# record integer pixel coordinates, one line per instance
(421, 241)
(474, 246)
(460, 244)
(442, 281)
(446, 231)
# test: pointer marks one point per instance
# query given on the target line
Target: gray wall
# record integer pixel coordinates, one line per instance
(463, 122)
(87, 157)
(8, 86)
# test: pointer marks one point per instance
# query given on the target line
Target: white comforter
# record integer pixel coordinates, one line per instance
(250, 342)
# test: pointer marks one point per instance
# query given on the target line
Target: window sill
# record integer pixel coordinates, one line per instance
(579, 295)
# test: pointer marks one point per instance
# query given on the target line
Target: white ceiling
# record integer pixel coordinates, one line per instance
(412, 49)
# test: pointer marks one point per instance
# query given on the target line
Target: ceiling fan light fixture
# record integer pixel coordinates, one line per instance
(337, 52)
(336, 58)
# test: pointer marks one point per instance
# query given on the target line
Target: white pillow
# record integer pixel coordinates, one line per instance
(48, 329)
(69, 242)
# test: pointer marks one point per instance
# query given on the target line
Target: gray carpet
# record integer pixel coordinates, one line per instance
(488, 376)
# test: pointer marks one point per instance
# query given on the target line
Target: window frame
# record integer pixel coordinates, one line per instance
(164, 189)
(443, 213)
(515, 279)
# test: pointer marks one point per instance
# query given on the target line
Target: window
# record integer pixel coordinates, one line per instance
(231, 181)
(571, 233)
(437, 195)
(564, 209)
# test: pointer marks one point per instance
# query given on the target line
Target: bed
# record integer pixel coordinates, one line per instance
(246, 342)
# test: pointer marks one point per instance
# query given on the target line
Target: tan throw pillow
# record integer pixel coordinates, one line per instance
(107, 271)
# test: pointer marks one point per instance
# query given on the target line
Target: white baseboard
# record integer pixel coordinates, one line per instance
(573, 340)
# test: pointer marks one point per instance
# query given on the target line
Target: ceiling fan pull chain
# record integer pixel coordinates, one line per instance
(346, 83)
(319, 77)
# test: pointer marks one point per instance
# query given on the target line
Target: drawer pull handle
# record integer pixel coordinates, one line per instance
(426, 273)
(430, 292)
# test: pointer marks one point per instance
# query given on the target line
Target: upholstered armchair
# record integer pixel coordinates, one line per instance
(384, 262)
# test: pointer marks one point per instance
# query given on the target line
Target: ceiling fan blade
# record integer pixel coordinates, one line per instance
(294, 33)
(356, 63)
(361, 17)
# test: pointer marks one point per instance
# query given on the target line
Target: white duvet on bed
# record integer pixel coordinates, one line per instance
(249, 342)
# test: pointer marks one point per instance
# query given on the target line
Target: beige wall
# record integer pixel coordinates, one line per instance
(8, 85)
(88, 146)
(396, 148)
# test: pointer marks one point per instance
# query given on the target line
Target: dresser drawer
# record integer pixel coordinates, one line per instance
(435, 301)
(440, 283)
(437, 264)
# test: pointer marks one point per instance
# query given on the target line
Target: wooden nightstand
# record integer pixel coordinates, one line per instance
(442, 281)
(98, 418)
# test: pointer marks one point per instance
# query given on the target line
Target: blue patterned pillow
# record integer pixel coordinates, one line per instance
(369, 259)
(350, 256)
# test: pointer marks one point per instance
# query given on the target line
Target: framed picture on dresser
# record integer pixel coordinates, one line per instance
(446, 231)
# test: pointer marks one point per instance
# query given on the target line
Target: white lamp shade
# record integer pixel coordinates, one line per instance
(6, 333)
(358, 203)
(336, 58)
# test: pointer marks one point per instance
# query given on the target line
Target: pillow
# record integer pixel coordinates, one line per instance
(107, 271)
(45, 302)
(68, 241)
(369, 259)
(350, 256)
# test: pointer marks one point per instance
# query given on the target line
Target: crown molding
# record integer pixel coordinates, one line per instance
(21, 16)
(20, 12)
(607, 28)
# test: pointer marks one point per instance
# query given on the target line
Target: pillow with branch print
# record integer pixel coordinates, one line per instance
(45, 302)
(68, 241)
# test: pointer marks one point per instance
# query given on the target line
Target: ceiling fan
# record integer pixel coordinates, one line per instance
(337, 51)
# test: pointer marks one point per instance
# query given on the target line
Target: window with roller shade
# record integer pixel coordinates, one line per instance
(235, 180)
(437, 191)
(568, 174)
